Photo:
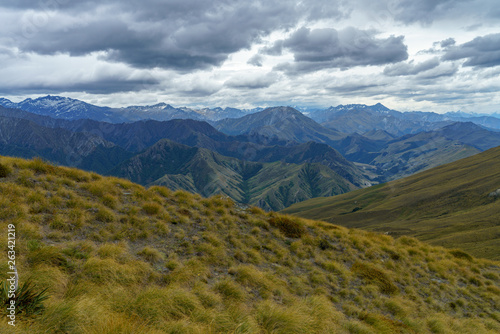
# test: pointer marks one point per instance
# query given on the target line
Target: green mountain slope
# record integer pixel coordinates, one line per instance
(272, 186)
(118, 258)
(408, 155)
(449, 205)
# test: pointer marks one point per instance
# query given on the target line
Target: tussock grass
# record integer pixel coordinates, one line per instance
(375, 275)
(4, 170)
(290, 227)
(118, 258)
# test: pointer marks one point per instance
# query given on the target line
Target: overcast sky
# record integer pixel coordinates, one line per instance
(430, 55)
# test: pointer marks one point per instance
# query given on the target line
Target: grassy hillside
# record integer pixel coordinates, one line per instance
(117, 258)
(448, 205)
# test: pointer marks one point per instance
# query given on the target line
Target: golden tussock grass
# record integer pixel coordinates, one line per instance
(119, 258)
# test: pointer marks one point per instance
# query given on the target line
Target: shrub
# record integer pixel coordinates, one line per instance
(289, 227)
(274, 318)
(104, 215)
(110, 271)
(117, 252)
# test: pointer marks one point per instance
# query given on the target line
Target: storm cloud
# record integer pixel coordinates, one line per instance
(180, 35)
(318, 49)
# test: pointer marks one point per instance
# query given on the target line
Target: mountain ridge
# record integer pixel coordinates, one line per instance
(271, 186)
(448, 205)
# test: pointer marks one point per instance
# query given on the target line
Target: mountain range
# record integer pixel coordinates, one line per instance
(71, 109)
(271, 157)
(271, 186)
(355, 117)
(143, 152)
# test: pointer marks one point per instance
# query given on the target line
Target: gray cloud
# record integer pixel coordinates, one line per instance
(179, 34)
(274, 50)
(106, 85)
(353, 89)
(317, 49)
(256, 60)
(447, 42)
(483, 51)
(424, 11)
(443, 70)
(410, 68)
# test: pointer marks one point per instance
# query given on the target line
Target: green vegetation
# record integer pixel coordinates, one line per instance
(453, 205)
(271, 186)
(114, 257)
(29, 300)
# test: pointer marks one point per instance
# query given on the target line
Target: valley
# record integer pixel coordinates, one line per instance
(281, 142)
(453, 205)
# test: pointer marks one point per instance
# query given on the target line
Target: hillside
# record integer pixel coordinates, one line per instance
(26, 139)
(117, 258)
(449, 205)
(281, 122)
(272, 186)
(399, 157)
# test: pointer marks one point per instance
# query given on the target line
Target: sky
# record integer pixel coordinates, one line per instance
(428, 55)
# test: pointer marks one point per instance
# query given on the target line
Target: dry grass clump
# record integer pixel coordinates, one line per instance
(5, 170)
(375, 275)
(290, 227)
(151, 254)
(118, 258)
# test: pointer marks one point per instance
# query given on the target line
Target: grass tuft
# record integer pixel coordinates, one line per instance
(5, 170)
(290, 227)
(375, 275)
(459, 254)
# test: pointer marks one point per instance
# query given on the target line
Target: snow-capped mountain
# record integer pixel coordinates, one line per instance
(64, 107)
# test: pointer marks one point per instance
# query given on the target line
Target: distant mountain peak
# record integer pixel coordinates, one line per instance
(283, 110)
(379, 107)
